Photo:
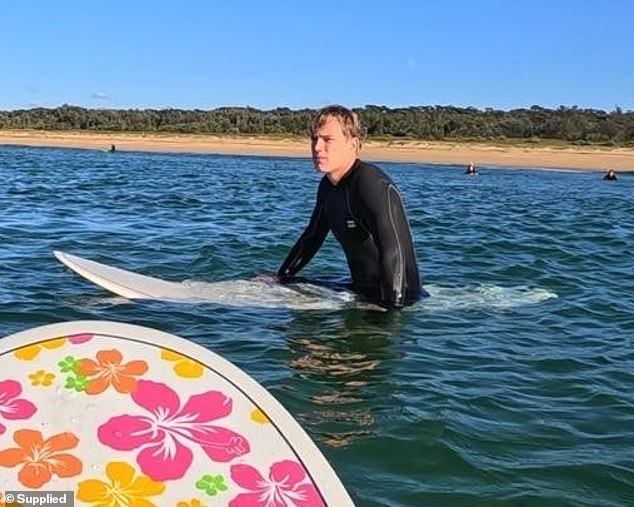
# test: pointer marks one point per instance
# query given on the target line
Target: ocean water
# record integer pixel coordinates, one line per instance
(512, 385)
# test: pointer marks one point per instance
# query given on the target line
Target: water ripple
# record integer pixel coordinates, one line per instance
(510, 386)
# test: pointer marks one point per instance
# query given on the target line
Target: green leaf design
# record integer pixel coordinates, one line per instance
(82, 382)
(219, 482)
(78, 383)
(68, 364)
(211, 484)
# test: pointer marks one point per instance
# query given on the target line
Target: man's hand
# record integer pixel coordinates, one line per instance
(373, 307)
(267, 278)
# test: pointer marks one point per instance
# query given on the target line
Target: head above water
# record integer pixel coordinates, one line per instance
(348, 119)
(335, 134)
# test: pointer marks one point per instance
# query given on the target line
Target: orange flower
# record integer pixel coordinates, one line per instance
(41, 458)
(109, 370)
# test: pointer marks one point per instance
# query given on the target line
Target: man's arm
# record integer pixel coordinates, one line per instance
(392, 235)
(308, 243)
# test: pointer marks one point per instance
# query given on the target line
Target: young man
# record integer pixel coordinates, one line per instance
(362, 207)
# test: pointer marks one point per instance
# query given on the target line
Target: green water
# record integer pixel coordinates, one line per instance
(513, 385)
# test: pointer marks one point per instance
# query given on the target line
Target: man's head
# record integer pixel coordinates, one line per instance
(335, 141)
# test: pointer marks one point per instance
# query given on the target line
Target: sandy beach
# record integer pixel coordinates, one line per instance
(569, 157)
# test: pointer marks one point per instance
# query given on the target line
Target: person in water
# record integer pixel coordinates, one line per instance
(471, 169)
(610, 175)
(363, 208)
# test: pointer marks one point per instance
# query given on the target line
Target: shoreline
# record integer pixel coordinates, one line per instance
(413, 151)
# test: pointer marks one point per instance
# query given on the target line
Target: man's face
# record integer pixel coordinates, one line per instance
(333, 152)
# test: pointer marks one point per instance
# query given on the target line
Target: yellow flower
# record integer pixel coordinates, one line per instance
(184, 366)
(194, 503)
(41, 378)
(12, 504)
(123, 489)
(30, 352)
(258, 416)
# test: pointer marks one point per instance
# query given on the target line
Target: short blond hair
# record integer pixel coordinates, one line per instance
(348, 119)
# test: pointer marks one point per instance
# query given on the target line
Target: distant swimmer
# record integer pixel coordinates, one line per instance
(361, 205)
(471, 169)
(113, 148)
(610, 175)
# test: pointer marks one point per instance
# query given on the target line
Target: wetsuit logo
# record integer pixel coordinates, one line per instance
(351, 224)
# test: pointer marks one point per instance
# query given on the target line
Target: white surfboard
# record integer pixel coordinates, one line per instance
(240, 293)
(124, 283)
(113, 412)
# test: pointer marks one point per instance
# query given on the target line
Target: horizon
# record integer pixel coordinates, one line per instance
(216, 108)
(197, 55)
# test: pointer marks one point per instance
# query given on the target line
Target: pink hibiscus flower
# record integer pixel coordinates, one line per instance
(284, 488)
(12, 407)
(160, 434)
(76, 339)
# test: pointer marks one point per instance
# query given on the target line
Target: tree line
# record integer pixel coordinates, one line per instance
(534, 124)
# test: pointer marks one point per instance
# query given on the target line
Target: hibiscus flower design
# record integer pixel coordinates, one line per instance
(287, 486)
(30, 352)
(183, 367)
(122, 488)
(108, 370)
(41, 458)
(160, 435)
(12, 407)
(77, 339)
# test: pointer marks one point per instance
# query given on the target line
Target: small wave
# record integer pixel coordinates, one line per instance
(307, 296)
(257, 294)
(485, 296)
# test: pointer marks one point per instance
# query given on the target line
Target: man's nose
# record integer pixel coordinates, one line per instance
(318, 144)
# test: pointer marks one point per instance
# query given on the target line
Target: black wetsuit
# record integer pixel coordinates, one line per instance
(366, 215)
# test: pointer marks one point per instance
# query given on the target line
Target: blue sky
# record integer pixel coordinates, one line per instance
(266, 54)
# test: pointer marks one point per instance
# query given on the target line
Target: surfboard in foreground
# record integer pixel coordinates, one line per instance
(241, 293)
(126, 415)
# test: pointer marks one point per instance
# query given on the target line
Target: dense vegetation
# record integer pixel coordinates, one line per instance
(579, 126)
